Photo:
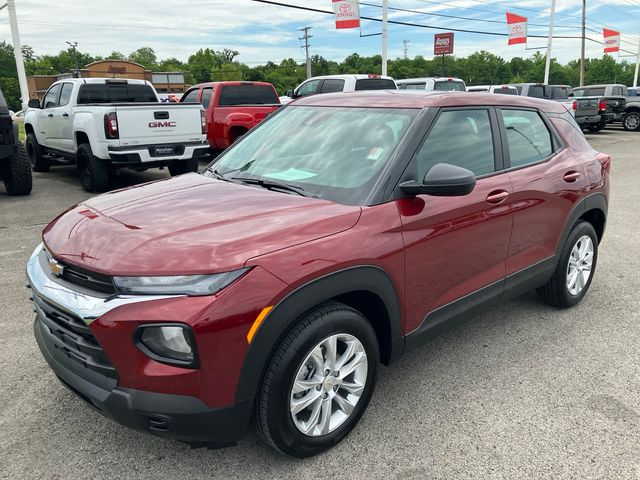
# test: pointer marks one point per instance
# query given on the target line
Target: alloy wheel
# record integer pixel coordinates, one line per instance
(580, 265)
(632, 121)
(328, 385)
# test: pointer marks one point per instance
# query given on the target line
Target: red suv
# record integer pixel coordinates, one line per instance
(340, 233)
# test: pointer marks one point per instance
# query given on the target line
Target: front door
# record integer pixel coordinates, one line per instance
(46, 113)
(457, 246)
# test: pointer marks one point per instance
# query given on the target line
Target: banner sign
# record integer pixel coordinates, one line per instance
(517, 28)
(611, 40)
(443, 43)
(347, 13)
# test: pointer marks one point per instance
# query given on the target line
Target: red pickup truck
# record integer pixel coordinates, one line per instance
(232, 108)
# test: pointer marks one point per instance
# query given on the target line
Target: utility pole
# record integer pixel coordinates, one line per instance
(406, 48)
(550, 43)
(305, 36)
(635, 75)
(584, 37)
(17, 51)
(385, 34)
(73, 46)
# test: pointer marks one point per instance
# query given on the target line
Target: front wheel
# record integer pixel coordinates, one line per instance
(574, 272)
(631, 121)
(318, 382)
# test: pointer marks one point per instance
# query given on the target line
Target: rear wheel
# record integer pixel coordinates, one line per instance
(39, 163)
(16, 173)
(183, 166)
(318, 382)
(572, 277)
(631, 121)
(94, 172)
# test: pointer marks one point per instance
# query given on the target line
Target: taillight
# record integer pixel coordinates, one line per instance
(574, 105)
(203, 121)
(602, 106)
(111, 126)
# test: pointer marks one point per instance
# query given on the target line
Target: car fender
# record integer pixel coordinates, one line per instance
(304, 298)
(595, 201)
(87, 123)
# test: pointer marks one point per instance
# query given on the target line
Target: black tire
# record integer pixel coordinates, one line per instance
(556, 292)
(272, 415)
(183, 166)
(16, 173)
(631, 121)
(39, 163)
(94, 172)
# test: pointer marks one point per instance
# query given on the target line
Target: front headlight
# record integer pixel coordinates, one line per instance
(177, 284)
(168, 343)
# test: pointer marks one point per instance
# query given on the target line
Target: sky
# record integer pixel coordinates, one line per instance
(261, 32)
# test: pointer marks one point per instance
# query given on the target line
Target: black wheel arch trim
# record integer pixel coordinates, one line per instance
(595, 201)
(284, 315)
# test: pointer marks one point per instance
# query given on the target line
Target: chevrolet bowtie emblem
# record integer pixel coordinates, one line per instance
(56, 268)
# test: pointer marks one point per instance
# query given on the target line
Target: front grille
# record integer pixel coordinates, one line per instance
(72, 336)
(84, 278)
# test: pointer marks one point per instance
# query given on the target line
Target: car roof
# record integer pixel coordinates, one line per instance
(230, 82)
(357, 76)
(423, 79)
(602, 85)
(102, 80)
(419, 99)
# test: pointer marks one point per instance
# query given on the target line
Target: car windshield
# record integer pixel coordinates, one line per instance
(450, 85)
(334, 153)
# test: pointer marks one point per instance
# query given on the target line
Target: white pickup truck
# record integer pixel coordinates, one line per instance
(105, 124)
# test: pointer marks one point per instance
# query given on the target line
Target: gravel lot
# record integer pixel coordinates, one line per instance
(524, 391)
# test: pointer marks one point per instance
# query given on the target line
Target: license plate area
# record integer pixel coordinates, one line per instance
(164, 150)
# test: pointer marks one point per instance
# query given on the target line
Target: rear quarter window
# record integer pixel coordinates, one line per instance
(375, 84)
(248, 95)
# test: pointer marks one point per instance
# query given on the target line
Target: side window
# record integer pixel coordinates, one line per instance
(205, 99)
(190, 96)
(65, 94)
(617, 91)
(472, 148)
(330, 86)
(528, 138)
(308, 88)
(51, 98)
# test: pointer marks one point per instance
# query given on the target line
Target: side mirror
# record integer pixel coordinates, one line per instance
(290, 94)
(442, 180)
(34, 103)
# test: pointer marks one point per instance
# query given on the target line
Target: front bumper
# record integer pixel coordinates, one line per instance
(180, 417)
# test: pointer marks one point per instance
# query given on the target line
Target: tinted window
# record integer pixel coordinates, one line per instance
(617, 91)
(51, 98)
(595, 92)
(375, 84)
(330, 86)
(519, 88)
(413, 86)
(560, 93)
(248, 95)
(536, 91)
(472, 148)
(206, 96)
(506, 91)
(65, 94)
(450, 86)
(528, 138)
(579, 92)
(308, 88)
(115, 93)
(477, 89)
(190, 97)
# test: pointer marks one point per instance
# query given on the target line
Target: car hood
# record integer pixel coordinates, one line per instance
(189, 225)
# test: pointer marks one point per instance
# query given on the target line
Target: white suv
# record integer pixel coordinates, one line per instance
(432, 83)
(340, 83)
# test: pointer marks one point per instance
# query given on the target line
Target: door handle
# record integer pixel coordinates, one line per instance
(497, 196)
(571, 176)
(50, 115)
(65, 115)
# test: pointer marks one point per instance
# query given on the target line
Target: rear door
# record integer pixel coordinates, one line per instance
(457, 246)
(547, 181)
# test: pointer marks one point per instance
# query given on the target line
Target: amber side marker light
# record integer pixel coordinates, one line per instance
(257, 322)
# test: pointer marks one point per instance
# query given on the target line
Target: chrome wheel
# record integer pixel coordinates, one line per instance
(328, 385)
(580, 263)
(632, 121)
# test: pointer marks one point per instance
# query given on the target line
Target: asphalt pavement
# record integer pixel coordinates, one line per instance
(524, 391)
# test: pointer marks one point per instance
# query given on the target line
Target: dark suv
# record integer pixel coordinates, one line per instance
(15, 170)
(340, 233)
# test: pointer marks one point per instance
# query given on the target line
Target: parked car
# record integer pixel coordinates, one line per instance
(15, 171)
(594, 113)
(629, 114)
(104, 124)
(233, 108)
(432, 83)
(341, 232)
(340, 83)
(502, 89)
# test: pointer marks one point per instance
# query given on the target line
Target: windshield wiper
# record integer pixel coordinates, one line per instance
(273, 184)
